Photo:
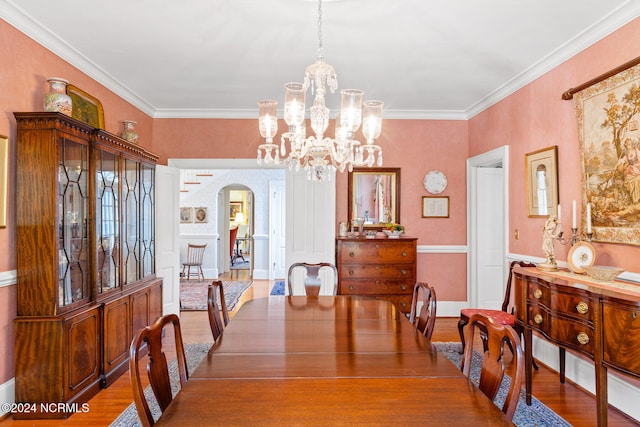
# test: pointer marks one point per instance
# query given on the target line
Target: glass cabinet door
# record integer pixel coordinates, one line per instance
(107, 221)
(148, 221)
(131, 221)
(73, 211)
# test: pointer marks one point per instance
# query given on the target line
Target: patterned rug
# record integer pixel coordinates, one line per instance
(193, 294)
(278, 288)
(535, 415)
(239, 265)
(194, 353)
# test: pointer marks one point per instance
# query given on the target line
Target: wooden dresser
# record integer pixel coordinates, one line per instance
(382, 268)
(597, 319)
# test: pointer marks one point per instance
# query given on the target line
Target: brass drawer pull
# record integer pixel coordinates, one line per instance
(583, 338)
(351, 254)
(403, 272)
(404, 253)
(350, 287)
(537, 318)
(537, 294)
(404, 304)
(403, 287)
(351, 273)
(582, 307)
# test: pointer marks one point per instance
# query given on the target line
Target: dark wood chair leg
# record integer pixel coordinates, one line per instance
(461, 324)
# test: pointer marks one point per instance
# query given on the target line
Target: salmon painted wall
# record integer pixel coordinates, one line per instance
(536, 117)
(23, 76)
(416, 147)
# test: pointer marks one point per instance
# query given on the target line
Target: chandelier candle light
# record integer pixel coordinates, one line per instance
(319, 154)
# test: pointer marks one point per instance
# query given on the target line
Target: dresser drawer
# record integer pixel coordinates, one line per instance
(395, 271)
(402, 302)
(570, 333)
(375, 286)
(373, 252)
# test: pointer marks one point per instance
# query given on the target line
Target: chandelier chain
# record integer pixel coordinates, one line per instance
(320, 46)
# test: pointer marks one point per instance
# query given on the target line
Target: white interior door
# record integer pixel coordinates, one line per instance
(277, 229)
(311, 219)
(167, 233)
(490, 237)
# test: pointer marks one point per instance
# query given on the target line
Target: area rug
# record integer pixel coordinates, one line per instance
(193, 294)
(278, 288)
(194, 353)
(535, 415)
(239, 265)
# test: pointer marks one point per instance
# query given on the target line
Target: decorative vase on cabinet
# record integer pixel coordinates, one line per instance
(129, 132)
(57, 100)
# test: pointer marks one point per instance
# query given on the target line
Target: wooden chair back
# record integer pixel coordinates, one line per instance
(157, 368)
(313, 278)
(233, 234)
(492, 370)
(217, 309)
(195, 255)
(425, 319)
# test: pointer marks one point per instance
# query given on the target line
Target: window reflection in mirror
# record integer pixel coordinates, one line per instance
(374, 196)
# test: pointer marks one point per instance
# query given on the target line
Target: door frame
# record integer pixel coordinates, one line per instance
(498, 157)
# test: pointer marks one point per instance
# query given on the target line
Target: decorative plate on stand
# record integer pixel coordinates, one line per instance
(581, 254)
(435, 182)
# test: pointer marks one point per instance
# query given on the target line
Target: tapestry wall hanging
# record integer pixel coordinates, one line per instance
(608, 117)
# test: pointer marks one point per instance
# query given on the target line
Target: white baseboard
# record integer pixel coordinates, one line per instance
(7, 393)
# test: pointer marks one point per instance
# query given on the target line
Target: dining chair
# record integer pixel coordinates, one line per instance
(195, 255)
(493, 366)
(425, 319)
(314, 279)
(504, 316)
(218, 313)
(157, 369)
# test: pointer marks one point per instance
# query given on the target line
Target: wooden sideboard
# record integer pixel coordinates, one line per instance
(382, 268)
(597, 319)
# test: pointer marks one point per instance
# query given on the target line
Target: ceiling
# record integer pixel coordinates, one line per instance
(215, 58)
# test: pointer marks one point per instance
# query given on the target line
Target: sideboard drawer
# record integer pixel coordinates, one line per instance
(374, 287)
(378, 250)
(396, 271)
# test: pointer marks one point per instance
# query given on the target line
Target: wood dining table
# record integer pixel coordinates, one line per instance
(326, 361)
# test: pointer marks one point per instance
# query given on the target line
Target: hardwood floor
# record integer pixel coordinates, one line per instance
(569, 401)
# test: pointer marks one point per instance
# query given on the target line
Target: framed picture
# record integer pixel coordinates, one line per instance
(435, 206)
(85, 107)
(199, 215)
(235, 207)
(542, 182)
(609, 143)
(186, 215)
(4, 172)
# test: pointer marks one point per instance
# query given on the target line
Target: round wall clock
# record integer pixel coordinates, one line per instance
(581, 254)
(435, 182)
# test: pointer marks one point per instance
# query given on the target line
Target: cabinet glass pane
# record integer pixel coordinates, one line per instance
(131, 190)
(73, 195)
(107, 221)
(148, 221)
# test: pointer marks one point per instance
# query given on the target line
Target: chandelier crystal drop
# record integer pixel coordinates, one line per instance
(319, 154)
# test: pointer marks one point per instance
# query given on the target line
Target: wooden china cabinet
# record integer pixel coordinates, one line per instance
(86, 260)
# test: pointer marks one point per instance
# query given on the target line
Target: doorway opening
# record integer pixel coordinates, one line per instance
(237, 232)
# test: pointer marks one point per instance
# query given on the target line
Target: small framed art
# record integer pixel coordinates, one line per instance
(186, 215)
(542, 182)
(435, 206)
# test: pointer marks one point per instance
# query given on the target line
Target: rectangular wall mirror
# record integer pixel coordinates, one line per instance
(374, 195)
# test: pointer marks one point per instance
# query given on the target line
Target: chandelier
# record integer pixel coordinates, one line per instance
(318, 154)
